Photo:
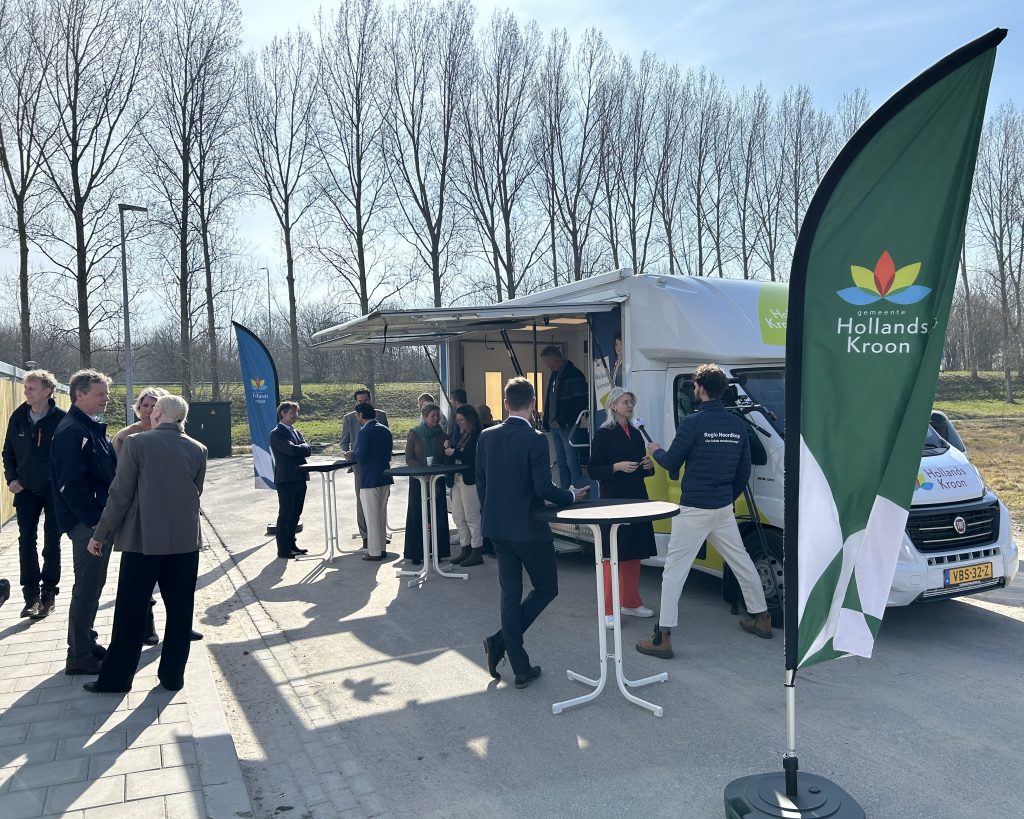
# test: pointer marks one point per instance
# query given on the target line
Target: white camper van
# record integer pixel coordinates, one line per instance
(958, 538)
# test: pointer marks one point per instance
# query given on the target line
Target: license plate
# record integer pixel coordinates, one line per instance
(968, 574)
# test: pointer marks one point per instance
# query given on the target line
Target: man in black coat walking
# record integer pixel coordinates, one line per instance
(26, 457)
(513, 479)
(290, 452)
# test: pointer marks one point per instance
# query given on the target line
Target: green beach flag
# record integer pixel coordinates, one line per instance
(872, 280)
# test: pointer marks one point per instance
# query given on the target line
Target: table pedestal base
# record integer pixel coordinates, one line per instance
(428, 515)
(329, 498)
(616, 653)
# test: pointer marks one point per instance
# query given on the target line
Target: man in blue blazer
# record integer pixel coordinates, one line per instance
(513, 479)
(290, 451)
(373, 455)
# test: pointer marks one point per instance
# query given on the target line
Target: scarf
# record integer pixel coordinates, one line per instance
(430, 438)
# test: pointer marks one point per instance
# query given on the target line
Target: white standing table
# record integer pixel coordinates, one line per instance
(428, 476)
(613, 513)
(327, 472)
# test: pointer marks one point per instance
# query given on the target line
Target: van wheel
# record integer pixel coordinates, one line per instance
(767, 559)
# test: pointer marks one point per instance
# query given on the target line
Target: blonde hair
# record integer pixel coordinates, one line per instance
(149, 392)
(44, 377)
(613, 396)
(172, 408)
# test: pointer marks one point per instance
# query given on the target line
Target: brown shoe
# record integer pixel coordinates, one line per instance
(463, 555)
(660, 644)
(759, 624)
(475, 558)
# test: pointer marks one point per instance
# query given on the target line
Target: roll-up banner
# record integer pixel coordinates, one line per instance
(259, 378)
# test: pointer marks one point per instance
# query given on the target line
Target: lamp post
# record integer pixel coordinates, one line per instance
(268, 301)
(129, 389)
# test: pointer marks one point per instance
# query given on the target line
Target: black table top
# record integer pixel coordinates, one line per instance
(418, 471)
(325, 466)
(610, 510)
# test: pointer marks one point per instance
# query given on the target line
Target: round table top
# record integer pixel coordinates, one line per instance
(420, 471)
(325, 466)
(609, 510)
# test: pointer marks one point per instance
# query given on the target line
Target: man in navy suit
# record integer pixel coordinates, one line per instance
(373, 455)
(290, 452)
(513, 479)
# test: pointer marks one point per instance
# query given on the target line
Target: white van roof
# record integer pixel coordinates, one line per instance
(666, 318)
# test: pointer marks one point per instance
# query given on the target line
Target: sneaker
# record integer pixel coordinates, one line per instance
(759, 625)
(660, 644)
(640, 611)
(31, 607)
(609, 621)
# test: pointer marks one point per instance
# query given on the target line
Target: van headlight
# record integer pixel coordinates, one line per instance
(984, 484)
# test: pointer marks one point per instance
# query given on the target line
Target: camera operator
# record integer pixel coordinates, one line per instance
(713, 444)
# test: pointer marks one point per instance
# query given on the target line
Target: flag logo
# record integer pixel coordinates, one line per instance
(258, 383)
(922, 482)
(885, 282)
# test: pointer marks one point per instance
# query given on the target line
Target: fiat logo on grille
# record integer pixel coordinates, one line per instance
(960, 525)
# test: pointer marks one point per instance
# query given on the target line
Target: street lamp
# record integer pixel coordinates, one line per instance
(268, 301)
(129, 388)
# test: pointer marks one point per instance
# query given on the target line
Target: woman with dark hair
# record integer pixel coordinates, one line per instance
(616, 374)
(465, 501)
(425, 445)
(619, 462)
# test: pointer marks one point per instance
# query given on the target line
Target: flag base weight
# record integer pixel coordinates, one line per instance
(764, 795)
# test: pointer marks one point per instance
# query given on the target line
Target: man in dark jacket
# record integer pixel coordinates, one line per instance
(349, 434)
(373, 455)
(290, 451)
(82, 465)
(513, 479)
(565, 399)
(713, 444)
(26, 456)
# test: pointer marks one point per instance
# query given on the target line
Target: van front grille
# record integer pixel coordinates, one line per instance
(952, 528)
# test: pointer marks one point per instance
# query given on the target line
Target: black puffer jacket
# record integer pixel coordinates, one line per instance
(27, 448)
(714, 445)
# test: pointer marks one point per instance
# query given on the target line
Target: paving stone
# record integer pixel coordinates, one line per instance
(178, 712)
(22, 804)
(191, 806)
(96, 704)
(163, 782)
(60, 728)
(82, 795)
(139, 809)
(176, 754)
(45, 774)
(63, 694)
(28, 670)
(137, 720)
(43, 750)
(124, 762)
(160, 735)
(32, 713)
(15, 698)
(108, 742)
(13, 734)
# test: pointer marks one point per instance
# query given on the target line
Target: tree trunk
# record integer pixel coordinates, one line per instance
(211, 328)
(183, 282)
(26, 322)
(293, 319)
(972, 360)
(82, 288)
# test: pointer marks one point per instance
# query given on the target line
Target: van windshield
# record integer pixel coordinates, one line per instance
(933, 443)
(768, 388)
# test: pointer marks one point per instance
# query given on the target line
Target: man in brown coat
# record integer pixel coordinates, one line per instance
(153, 515)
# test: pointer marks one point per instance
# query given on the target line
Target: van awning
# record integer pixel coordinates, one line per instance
(438, 324)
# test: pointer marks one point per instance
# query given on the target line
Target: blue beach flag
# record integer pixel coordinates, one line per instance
(259, 378)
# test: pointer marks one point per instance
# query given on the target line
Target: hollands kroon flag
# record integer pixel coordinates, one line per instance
(873, 277)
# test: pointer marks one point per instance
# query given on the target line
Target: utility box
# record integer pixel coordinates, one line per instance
(209, 422)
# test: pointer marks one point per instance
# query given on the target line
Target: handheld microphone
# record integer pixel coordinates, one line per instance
(639, 424)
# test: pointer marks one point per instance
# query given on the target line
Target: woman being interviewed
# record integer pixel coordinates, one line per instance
(465, 501)
(427, 441)
(619, 462)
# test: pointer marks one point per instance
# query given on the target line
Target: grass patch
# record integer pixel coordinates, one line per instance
(987, 387)
(996, 447)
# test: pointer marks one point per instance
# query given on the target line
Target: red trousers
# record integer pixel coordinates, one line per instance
(629, 585)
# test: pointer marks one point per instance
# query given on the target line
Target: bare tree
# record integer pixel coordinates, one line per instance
(279, 112)
(751, 112)
(195, 38)
(25, 136)
(91, 86)
(428, 49)
(673, 123)
(496, 160)
(998, 220)
(571, 106)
